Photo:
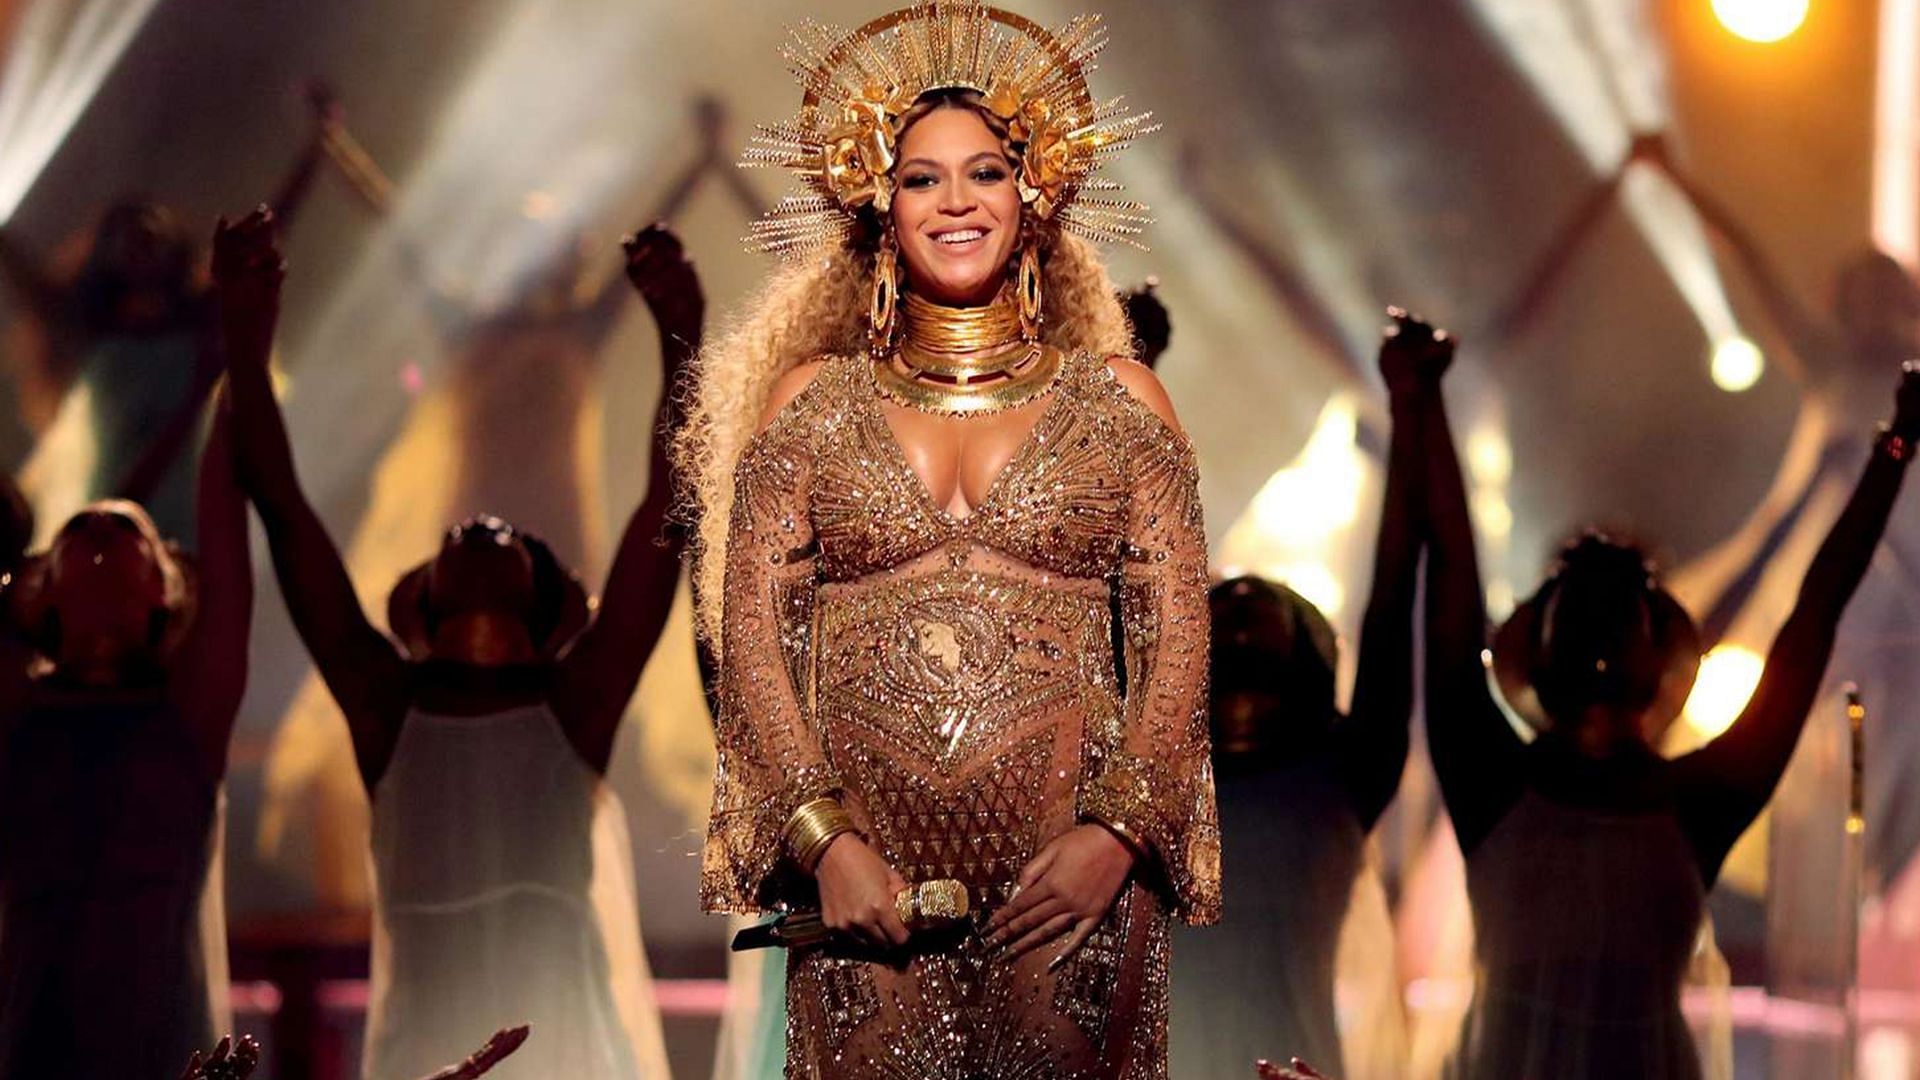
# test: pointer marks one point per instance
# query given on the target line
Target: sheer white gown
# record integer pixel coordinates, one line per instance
(504, 895)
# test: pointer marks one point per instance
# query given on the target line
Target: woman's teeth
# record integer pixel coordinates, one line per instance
(960, 236)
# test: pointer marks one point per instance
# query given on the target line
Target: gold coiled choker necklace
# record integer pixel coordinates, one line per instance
(965, 360)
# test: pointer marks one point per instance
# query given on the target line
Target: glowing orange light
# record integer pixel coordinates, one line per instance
(1763, 21)
(1728, 676)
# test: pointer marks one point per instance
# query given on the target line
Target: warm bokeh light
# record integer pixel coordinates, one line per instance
(1737, 365)
(1296, 529)
(1318, 493)
(1489, 456)
(1761, 20)
(1492, 514)
(1728, 675)
(1314, 581)
(539, 205)
(1896, 131)
(1500, 598)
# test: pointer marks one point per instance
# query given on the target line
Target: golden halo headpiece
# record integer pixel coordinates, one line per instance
(857, 85)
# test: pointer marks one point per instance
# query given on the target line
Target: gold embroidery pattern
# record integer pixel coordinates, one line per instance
(838, 994)
(1091, 977)
(946, 665)
(980, 835)
(954, 679)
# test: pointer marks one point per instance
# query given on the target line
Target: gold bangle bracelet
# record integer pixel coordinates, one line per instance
(812, 827)
(1126, 835)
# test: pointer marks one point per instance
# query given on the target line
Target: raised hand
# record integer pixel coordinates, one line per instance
(1906, 402)
(658, 267)
(327, 112)
(1413, 354)
(1066, 890)
(247, 275)
(857, 888)
(229, 1061)
(504, 1042)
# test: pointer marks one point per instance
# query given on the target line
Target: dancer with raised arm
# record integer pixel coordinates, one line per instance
(136, 329)
(1588, 855)
(482, 735)
(1300, 788)
(122, 664)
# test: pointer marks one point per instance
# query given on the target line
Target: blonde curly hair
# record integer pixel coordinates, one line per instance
(818, 310)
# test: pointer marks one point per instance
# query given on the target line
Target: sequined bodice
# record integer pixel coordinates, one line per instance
(1058, 504)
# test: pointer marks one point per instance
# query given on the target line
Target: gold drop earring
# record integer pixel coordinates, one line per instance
(883, 311)
(1027, 288)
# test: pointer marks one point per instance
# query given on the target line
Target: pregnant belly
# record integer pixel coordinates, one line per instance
(956, 706)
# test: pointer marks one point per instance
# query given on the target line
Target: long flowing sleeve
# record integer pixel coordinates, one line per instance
(769, 758)
(1156, 784)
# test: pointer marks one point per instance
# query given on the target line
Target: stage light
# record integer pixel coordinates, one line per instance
(61, 51)
(1600, 69)
(1318, 493)
(1762, 21)
(1297, 528)
(1737, 365)
(1896, 131)
(1727, 677)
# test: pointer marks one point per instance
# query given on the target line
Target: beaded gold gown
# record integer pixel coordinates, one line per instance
(962, 684)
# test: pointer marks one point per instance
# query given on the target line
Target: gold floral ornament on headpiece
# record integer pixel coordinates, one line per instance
(857, 85)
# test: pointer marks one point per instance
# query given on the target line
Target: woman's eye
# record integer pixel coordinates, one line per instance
(920, 181)
(991, 174)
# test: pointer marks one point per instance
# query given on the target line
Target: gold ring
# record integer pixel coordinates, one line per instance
(906, 904)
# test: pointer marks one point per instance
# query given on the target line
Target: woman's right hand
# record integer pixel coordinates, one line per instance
(1906, 402)
(857, 888)
(658, 267)
(1413, 353)
(247, 273)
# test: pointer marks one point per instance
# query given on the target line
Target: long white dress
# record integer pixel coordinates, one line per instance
(1586, 924)
(503, 895)
(1304, 917)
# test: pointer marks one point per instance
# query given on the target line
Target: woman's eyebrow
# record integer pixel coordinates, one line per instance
(994, 155)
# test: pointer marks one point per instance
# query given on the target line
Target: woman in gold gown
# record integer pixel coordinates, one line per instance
(950, 549)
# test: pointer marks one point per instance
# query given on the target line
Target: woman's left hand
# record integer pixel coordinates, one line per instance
(1067, 889)
(504, 1042)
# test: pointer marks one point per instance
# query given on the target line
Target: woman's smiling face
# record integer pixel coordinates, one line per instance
(956, 208)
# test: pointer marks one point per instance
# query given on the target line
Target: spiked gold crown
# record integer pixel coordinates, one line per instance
(857, 85)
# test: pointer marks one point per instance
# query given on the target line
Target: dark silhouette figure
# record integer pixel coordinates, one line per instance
(1588, 855)
(1838, 363)
(1299, 785)
(1147, 314)
(122, 664)
(16, 528)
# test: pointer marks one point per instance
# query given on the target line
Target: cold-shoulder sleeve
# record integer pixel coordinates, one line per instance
(769, 759)
(1156, 785)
